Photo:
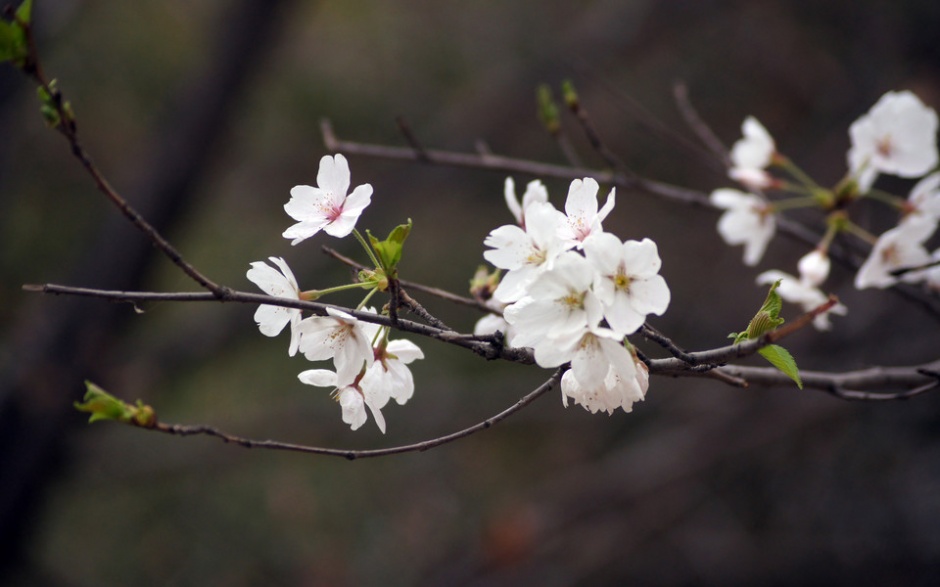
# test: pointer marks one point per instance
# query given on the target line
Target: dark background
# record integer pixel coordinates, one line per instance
(205, 115)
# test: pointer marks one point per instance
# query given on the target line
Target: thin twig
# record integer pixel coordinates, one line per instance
(416, 308)
(484, 346)
(698, 126)
(702, 361)
(68, 128)
(664, 341)
(593, 137)
(859, 385)
(434, 291)
(405, 130)
(699, 364)
(696, 362)
(184, 430)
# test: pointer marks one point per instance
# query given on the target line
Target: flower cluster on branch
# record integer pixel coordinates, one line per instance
(565, 294)
(898, 136)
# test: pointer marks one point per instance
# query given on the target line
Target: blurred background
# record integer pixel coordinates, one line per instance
(205, 114)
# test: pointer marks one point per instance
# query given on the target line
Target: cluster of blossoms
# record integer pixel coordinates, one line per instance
(573, 293)
(369, 369)
(898, 136)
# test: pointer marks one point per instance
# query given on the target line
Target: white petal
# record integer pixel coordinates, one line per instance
(512, 200)
(333, 176)
(405, 350)
(353, 406)
(318, 377)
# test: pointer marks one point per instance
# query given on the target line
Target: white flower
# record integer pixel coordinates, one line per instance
(751, 155)
(616, 391)
(593, 352)
(534, 192)
(804, 293)
(897, 136)
(272, 319)
(560, 302)
(627, 282)
(352, 398)
(525, 253)
(924, 200)
(388, 376)
(581, 209)
(814, 268)
(338, 336)
(749, 220)
(900, 247)
(326, 207)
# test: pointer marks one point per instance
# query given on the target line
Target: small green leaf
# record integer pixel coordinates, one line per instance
(768, 317)
(389, 250)
(773, 303)
(570, 94)
(104, 406)
(13, 35)
(24, 12)
(548, 109)
(781, 358)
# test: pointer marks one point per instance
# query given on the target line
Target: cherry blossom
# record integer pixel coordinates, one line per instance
(525, 253)
(560, 302)
(626, 280)
(389, 376)
(340, 337)
(924, 200)
(814, 268)
(897, 248)
(749, 220)
(897, 136)
(353, 399)
(534, 192)
(583, 217)
(272, 319)
(592, 351)
(751, 155)
(326, 207)
(616, 390)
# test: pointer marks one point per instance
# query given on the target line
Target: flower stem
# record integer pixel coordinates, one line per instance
(315, 294)
(790, 167)
(860, 232)
(800, 202)
(884, 197)
(366, 299)
(365, 245)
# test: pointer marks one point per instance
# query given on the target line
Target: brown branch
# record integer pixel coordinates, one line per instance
(861, 385)
(184, 430)
(849, 385)
(485, 346)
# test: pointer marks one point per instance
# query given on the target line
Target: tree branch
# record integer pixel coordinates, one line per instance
(185, 430)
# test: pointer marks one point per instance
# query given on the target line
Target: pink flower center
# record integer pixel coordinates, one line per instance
(885, 147)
